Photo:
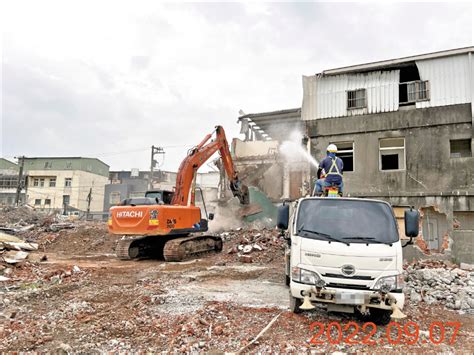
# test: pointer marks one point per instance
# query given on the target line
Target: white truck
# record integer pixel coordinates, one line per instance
(345, 254)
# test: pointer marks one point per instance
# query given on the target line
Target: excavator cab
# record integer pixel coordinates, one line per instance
(164, 196)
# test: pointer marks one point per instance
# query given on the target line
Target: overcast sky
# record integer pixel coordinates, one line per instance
(109, 79)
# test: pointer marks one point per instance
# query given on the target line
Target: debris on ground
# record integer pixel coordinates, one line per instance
(439, 282)
(74, 295)
(13, 257)
(252, 245)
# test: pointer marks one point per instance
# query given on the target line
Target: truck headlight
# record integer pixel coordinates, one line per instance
(389, 283)
(304, 276)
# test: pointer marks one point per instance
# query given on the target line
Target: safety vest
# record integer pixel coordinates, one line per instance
(334, 166)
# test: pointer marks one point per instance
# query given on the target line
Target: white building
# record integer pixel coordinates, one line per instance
(74, 183)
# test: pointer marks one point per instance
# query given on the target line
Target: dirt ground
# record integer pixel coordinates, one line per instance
(82, 299)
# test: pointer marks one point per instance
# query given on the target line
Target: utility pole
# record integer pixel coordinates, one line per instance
(19, 184)
(89, 199)
(153, 163)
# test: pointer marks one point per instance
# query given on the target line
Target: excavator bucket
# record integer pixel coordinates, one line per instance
(244, 195)
(240, 191)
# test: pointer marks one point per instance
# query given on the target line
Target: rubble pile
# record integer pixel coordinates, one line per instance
(23, 230)
(437, 282)
(83, 237)
(21, 216)
(254, 246)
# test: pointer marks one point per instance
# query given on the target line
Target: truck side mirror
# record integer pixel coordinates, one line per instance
(412, 223)
(283, 216)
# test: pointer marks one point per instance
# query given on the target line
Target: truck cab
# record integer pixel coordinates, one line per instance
(345, 254)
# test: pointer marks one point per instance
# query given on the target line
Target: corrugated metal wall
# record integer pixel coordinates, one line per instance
(450, 81)
(326, 96)
(449, 78)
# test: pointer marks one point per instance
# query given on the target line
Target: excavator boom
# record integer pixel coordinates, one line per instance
(149, 225)
(196, 157)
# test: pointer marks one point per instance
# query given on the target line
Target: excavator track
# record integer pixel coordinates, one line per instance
(180, 249)
(177, 249)
(127, 248)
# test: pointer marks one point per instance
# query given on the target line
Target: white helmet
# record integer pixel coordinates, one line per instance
(332, 148)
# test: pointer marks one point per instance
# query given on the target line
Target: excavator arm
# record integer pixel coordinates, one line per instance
(197, 156)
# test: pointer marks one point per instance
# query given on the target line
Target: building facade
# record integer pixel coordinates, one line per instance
(66, 183)
(9, 182)
(404, 130)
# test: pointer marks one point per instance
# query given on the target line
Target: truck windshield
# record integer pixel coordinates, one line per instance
(347, 220)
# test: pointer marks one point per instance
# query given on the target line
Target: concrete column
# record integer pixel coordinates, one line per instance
(286, 181)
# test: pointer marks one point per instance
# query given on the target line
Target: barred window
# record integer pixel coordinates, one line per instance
(356, 99)
(414, 91)
(8, 182)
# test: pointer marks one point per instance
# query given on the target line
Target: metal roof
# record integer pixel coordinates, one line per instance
(63, 158)
(288, 112)
(274, 124)
(384, 64)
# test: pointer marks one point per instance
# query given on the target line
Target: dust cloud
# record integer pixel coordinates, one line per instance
(226, 217)
(294, 152)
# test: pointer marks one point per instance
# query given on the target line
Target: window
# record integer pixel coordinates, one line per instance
(8, 182)
(414, 91)
(460, 148)
(345, 151)
(66, 200)
(52, 182)
(36, 182)
(41, 182)
(48, 165)
(68, 165)
(392, 154)
(47, 201)
(68, 182)
(38, 202)
(356, 99)
(114, 198)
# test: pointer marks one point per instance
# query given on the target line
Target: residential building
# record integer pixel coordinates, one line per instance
(404, 130)
(9, 182)
(66, 183)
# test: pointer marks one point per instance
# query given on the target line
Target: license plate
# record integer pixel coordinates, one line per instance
(349, 298)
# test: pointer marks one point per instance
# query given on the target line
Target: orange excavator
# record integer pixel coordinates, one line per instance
(169, 224)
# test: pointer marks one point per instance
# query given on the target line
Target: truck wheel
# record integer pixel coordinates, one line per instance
(295, 304)
(380, 316)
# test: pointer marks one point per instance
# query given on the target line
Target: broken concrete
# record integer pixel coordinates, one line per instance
(440, 283)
